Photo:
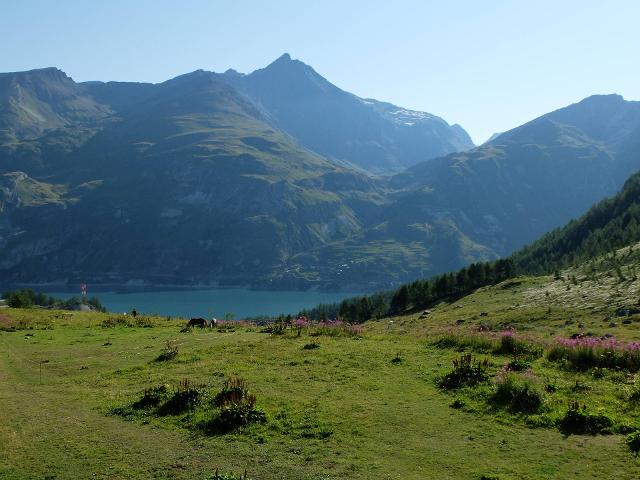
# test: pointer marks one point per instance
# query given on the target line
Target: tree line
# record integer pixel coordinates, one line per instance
(27, 298)
(416, 295)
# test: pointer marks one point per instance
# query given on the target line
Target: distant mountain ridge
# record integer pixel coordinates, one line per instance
(215, 179)
(375, 136)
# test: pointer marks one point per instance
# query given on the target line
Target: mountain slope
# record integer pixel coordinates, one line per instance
(613, 223)
(377, 137)
(196, 186)
(44, 115)
(529, 180)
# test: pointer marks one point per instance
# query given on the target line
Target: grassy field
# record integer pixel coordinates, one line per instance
(343, 410)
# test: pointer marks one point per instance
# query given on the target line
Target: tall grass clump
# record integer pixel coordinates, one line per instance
(510, 344)
(578, 421)
(517, 393)
(633, 442)
(504, 343)
(466, 372)
(169, 353)
(476, 343)
(236, 407)
(584, 353)
(185, 397)
(152, 397)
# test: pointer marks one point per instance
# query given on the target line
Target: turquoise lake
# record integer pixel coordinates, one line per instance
(212, 303)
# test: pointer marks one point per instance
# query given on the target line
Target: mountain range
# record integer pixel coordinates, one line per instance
(279, 179)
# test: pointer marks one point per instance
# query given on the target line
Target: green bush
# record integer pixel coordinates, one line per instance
(579, 422)
(152, 397)
(518, 395)
(510, 345)
(186, 397)
(237, 414)
(237, 407)
(19, 299)
(27, 298)
(169, 353)
(633, 442)
(465, 372)
(517, 365)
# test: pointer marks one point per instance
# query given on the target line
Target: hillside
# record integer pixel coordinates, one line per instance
(534, 178)
(210, 193)
(610, 224)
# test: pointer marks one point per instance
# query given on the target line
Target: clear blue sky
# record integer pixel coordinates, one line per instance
(488, 65)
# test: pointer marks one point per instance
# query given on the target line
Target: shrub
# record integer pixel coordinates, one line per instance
(20, 299)
(633, 442)
(517, 365)
(511, 345)
(397, 359)
(633, 391)
(28, 298)
(505, 344)
(238, 414)
(237, 407)
(518, 394)
(143, 321)
(169, 353)
(233, 390)
(186, 397)
(465, 372)
(579, 422)
(152, 397)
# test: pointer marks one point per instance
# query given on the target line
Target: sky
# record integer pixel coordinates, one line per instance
(488, 65)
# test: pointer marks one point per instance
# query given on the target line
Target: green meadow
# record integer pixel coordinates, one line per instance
(338, 405)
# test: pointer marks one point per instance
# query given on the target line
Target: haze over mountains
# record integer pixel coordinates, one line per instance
(279, 179)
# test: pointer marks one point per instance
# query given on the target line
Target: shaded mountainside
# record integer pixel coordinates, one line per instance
(195, 186)
(610, 224)
(488, 202)
(531, 179)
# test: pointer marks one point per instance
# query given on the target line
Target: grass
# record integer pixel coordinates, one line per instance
(392, 416)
